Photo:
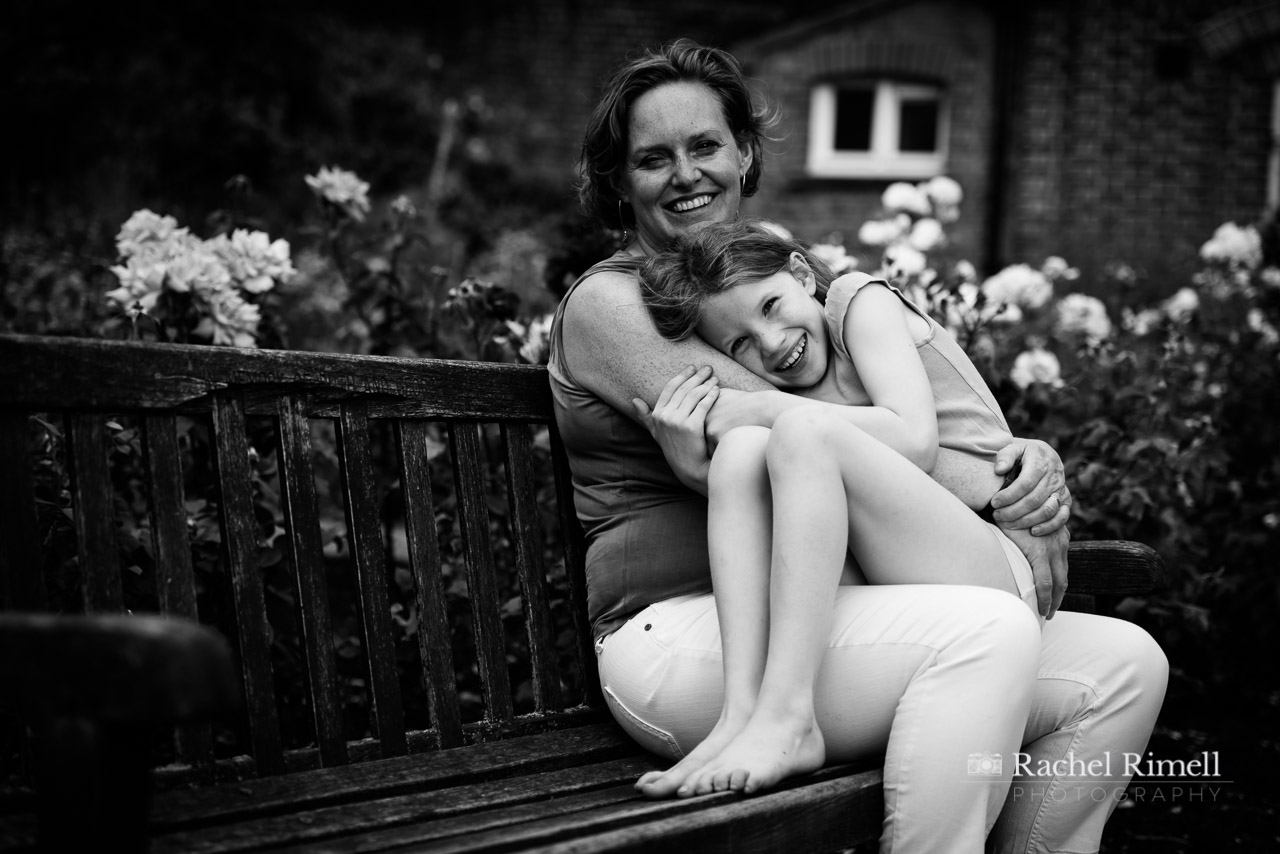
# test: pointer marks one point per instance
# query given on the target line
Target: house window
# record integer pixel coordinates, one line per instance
(877, 129)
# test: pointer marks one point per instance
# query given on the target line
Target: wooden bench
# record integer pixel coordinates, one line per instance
(265, 600)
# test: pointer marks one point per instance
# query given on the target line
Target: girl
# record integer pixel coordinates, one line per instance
(820, 498)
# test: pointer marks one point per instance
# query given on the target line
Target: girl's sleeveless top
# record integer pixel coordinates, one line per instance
(646, 532)
(969, 418)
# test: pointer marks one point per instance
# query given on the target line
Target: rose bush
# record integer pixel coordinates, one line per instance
(1164, 416)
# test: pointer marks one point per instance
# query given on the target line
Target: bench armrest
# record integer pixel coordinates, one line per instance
(117, 669)
(1114, 568)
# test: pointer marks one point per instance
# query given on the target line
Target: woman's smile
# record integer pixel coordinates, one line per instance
(683, 166)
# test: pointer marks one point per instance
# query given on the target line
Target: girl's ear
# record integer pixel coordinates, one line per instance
(803, 273)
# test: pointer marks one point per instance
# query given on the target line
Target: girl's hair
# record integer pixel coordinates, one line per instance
(604, 145)
(676, 282)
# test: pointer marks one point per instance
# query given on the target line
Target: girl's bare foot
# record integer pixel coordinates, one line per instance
(664, 784)
(768, 750)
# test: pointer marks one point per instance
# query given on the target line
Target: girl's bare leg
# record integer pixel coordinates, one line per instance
(836, 488)
(738, 532)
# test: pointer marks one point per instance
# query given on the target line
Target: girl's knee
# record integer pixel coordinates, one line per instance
(739, 454)
(803, 432)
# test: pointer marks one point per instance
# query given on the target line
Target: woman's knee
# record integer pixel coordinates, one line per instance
(1005, 630)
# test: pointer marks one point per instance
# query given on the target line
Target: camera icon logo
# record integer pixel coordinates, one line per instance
(986, 764)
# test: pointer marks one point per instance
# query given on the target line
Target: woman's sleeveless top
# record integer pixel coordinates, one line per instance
(646, 532)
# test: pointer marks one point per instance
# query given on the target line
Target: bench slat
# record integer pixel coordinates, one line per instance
(175, 580)
(434, 642)
(240, 547)
(365, 530)
(473, 516)
(526, 535)
(579, 745)
(21, 578)
(302, 522)
(313, 828)
(82, 373)
(575, 550)
(95, 513)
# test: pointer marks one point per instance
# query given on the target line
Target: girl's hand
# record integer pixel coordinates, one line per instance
(678, 423)
(747, 409)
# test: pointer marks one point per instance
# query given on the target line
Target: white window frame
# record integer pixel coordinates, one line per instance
(884, 160)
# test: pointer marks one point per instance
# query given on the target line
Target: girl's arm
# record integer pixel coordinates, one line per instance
(902, 414)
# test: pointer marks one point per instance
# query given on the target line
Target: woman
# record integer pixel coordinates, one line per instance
(930, 675)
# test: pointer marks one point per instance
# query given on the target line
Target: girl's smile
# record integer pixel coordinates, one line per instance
(773, 327)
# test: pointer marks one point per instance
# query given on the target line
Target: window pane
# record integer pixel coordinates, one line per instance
(918, 128)
(853, 119)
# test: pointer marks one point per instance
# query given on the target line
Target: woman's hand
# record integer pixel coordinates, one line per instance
(678, 423)
(1048, 558)
(1038, 498)
(1033, 511)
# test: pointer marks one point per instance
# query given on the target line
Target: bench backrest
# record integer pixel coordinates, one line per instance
(393, 537)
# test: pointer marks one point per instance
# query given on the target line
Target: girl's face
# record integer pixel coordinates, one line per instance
(772, 327)
(683, 167)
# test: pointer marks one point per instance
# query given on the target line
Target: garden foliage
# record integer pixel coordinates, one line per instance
(1163, 414)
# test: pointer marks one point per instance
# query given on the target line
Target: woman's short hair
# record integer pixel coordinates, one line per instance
(676, 282)
(604, 145)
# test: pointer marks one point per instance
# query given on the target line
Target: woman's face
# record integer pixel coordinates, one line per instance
(683, 167)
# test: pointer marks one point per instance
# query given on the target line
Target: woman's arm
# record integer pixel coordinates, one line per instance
(613, 349)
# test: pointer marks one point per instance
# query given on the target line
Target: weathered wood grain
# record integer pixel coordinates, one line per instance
(99, 375)
(482, 585)
(302, 524)
(240, 552)
(435, 647)
(364, 527)
(95, 513)
(525, 529)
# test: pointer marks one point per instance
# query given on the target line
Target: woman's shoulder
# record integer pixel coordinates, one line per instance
(599, 288)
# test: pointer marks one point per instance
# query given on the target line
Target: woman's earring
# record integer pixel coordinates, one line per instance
(623, 223)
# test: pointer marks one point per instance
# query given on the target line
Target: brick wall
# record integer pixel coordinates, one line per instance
(1125, 141)
(1128, 143)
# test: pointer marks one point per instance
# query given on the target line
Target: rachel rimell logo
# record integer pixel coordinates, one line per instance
(1130, 777)
(1205, 766)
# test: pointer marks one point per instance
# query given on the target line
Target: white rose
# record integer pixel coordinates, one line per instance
(1234, 245)
(835, 257)
(342, 188)
(943, 191)
(879, 232)
(1181, 305)
(907, 198)
(1081, 313)
(903, 260)
(1036, 366)
(926, 235)
(1057, 268)
(1020, 285)
(1142, 322)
